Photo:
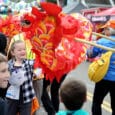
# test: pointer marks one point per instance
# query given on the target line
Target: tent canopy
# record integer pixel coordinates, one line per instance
(110, 11)
(104, 16)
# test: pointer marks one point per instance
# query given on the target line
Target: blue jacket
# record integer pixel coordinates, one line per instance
(96, 51)
(77, 112)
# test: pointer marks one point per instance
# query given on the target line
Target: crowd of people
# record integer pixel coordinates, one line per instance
(16, 74)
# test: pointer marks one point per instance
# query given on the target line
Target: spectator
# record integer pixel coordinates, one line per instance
(37, 83)
(4, 77)
(3, 45)
(73, 96)
(20, 92)
(107, 84)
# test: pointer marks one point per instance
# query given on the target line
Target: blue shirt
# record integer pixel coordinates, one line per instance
(77, 112)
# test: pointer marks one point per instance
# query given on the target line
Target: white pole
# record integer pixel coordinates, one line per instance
(112, 3)
(84, 3)
(58, 3)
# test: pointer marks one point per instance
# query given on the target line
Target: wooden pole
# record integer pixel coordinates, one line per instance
(94, 44)
(104, 36)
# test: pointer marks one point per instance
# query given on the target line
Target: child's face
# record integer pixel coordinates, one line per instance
(19, 51)
(4, 75)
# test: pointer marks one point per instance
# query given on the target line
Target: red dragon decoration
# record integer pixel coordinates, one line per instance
(52, 33)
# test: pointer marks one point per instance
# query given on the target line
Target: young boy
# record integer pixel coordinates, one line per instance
(3, 45)
(4, 77)
(73, 96)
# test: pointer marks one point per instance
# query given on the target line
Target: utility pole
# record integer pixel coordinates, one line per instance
(84, 3)
(112, 2)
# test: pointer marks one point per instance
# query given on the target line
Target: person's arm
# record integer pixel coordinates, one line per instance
(95, 51)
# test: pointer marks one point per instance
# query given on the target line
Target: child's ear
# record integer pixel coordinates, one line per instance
(85, 99)
(60, 99)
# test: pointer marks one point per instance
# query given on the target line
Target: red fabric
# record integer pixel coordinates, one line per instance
(50, 8)
(52, 34)
(10, 26)
(53, 41)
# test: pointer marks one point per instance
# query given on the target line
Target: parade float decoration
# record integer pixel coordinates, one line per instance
(10, 26)
(53, 36)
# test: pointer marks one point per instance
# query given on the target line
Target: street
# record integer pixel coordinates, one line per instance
(81, 73)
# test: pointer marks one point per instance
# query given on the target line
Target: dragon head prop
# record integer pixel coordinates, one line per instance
(52, 33)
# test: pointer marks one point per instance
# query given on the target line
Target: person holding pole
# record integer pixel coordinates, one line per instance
(107, 84)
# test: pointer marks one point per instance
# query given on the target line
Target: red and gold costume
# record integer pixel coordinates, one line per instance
(52, 34)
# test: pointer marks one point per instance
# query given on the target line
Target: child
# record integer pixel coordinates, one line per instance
(20, 92)
(3, 45)
(73, 96)
(4, 77)
(37, 81)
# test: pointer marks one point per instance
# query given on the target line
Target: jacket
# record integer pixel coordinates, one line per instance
(110, 75)
(27, 86)
(2, 107)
